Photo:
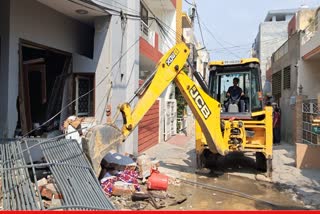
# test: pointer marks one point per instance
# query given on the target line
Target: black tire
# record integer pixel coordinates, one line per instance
(261, 162)
(207, 159)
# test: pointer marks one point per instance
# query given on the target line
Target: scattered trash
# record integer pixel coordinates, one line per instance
(144, 165)
(124, 183)
(115, 158)
(180, 201)
(123, 177)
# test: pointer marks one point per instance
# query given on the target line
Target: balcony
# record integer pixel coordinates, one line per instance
(310, 41)
(149, 45)
(163, 4)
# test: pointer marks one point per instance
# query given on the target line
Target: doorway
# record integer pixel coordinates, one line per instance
(44, 73)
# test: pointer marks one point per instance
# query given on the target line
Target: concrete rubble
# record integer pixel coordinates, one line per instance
(62, 180)
(136, 184)
(50, 194)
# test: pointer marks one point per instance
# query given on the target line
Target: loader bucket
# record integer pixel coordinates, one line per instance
(98, 142)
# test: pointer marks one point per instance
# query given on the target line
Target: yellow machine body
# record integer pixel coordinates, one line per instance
(212, 132)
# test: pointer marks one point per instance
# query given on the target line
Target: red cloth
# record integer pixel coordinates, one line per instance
(276, 119)
(127, 176)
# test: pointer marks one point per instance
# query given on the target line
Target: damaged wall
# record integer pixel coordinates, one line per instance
(4, 59)
(109, 46)
(33, 21)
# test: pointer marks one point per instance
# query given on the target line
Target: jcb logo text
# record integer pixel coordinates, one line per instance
(200, 102)
(172, 56)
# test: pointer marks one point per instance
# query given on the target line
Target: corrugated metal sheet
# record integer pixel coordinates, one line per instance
(69, 166)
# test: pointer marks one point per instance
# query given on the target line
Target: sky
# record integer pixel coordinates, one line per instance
(230, 26)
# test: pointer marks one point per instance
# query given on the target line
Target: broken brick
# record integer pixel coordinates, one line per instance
(42, 182)
(49, 194)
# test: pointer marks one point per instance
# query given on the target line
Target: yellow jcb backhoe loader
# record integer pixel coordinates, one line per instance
(218, 133)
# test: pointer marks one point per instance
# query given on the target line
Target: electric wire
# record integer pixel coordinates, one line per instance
(188, 3)
(213, 36)
(200, 29)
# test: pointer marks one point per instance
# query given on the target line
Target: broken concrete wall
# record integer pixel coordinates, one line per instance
(35, 22)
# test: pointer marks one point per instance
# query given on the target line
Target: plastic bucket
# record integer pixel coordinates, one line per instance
(157, 181)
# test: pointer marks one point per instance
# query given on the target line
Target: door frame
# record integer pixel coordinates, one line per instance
(24, 106)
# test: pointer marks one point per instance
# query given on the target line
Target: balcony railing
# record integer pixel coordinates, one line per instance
(310, 31)
(147, 34)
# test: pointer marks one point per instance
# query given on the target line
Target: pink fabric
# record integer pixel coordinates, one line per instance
(127, 176)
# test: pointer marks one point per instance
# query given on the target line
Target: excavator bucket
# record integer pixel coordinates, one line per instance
(99, 141)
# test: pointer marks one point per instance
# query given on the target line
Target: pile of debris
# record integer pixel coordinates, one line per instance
(136, 183)
(50, 194)
(62, 179)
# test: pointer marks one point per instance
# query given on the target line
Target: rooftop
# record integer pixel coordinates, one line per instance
(281, 12)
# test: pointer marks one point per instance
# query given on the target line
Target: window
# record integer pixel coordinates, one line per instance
(286, 77)
(256, 104)
(276, 84)
(144, 13)
(85, 100)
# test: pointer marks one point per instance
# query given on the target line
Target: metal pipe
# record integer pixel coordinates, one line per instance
(29, 187)
(35, 177)
(18, 194)
(145, 84)
(9, 177)
(228, 191)
(42, 165)
(77, 175)
(67, 197)
(3, 177)
(64, 169)
(79, 161)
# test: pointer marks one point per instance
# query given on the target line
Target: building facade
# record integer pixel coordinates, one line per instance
(55, 53)
(273, 32)
(287, 71)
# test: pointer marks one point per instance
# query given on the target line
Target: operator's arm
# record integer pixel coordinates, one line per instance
(229, 91)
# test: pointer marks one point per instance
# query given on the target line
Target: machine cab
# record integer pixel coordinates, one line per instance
(237, 86)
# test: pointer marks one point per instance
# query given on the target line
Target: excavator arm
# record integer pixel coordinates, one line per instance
(205, 109)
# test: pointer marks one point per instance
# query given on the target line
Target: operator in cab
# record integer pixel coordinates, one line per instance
(234, 95)
(235, 91)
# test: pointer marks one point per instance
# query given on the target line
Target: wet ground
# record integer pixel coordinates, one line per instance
(209, 196)
(178, 160)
